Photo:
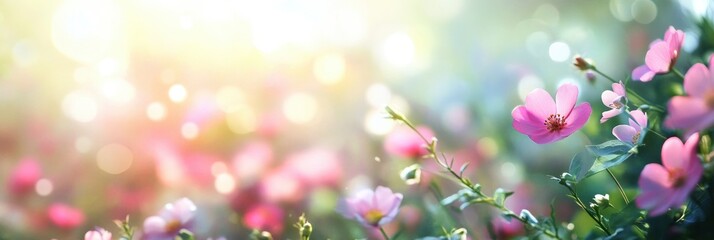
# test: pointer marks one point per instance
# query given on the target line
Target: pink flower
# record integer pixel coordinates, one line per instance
(23, 178)
(404, 142)
(695, 111)
(661, 56)
(372, 208)
(98, 234)
(315, 166)
(668, 185)
(253, 160)
(615, 100)
(172, 218)
(545, 120)
(631, 133)
(266, 217)
(64, 216)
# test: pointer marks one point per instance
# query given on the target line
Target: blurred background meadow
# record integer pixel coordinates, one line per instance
(259, 111)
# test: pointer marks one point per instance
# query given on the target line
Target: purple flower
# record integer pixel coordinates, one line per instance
(631, 133)
(172, 218)
(372, 208)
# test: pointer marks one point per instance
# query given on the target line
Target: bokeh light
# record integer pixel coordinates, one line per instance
(300, 108)
(114, 158)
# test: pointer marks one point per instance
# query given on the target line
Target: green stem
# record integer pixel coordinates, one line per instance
(619, 187)
(386, 237)
(580, 203)
(678, 73)
(431, 149)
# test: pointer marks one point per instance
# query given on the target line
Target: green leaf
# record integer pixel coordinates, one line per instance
(627, 216)
(463, 168)
(186, 235)
(599, 157)
(609, 147)
(580, 164)
(607, 161)
(451, 199)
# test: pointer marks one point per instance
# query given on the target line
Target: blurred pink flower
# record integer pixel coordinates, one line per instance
(241, 200)
(372, 208)
(315, 167)
(23, 178)
(615, 100)
(170, 220)
(631, 133)
(695, 111)
(661, 56)
(98, 234)
(266, 217)
(252, 160)
(545, 120)
(64, 216)
(404, 142)
(668, 185)
(282, 186)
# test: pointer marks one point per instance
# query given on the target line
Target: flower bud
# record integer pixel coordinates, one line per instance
(581, 63)
(306, 230)
(459, 234)
(260, 235)
(602, 200)
(411, 174)
(590, 76)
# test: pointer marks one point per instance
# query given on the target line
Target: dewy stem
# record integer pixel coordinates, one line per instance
(619, 187)
(386, 237)
(431, 149)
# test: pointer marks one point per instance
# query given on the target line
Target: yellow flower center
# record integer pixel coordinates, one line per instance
(173, 226)
(709, 99)
(373, 216)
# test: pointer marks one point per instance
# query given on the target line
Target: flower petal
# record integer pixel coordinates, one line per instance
(609, 97)
(392, 209)
(606, 115)
(540, 104)
(658, 58)
(640, 119)
(642, 73)
(524, 122)
(565, 98)
(154, 225)
(693, 174)
(688, 113)
(697, 80)
(624, 133)
(547, 137)
(578, 117)
(674, 38)
(654, 183)
(673, 155)
(619, 88)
